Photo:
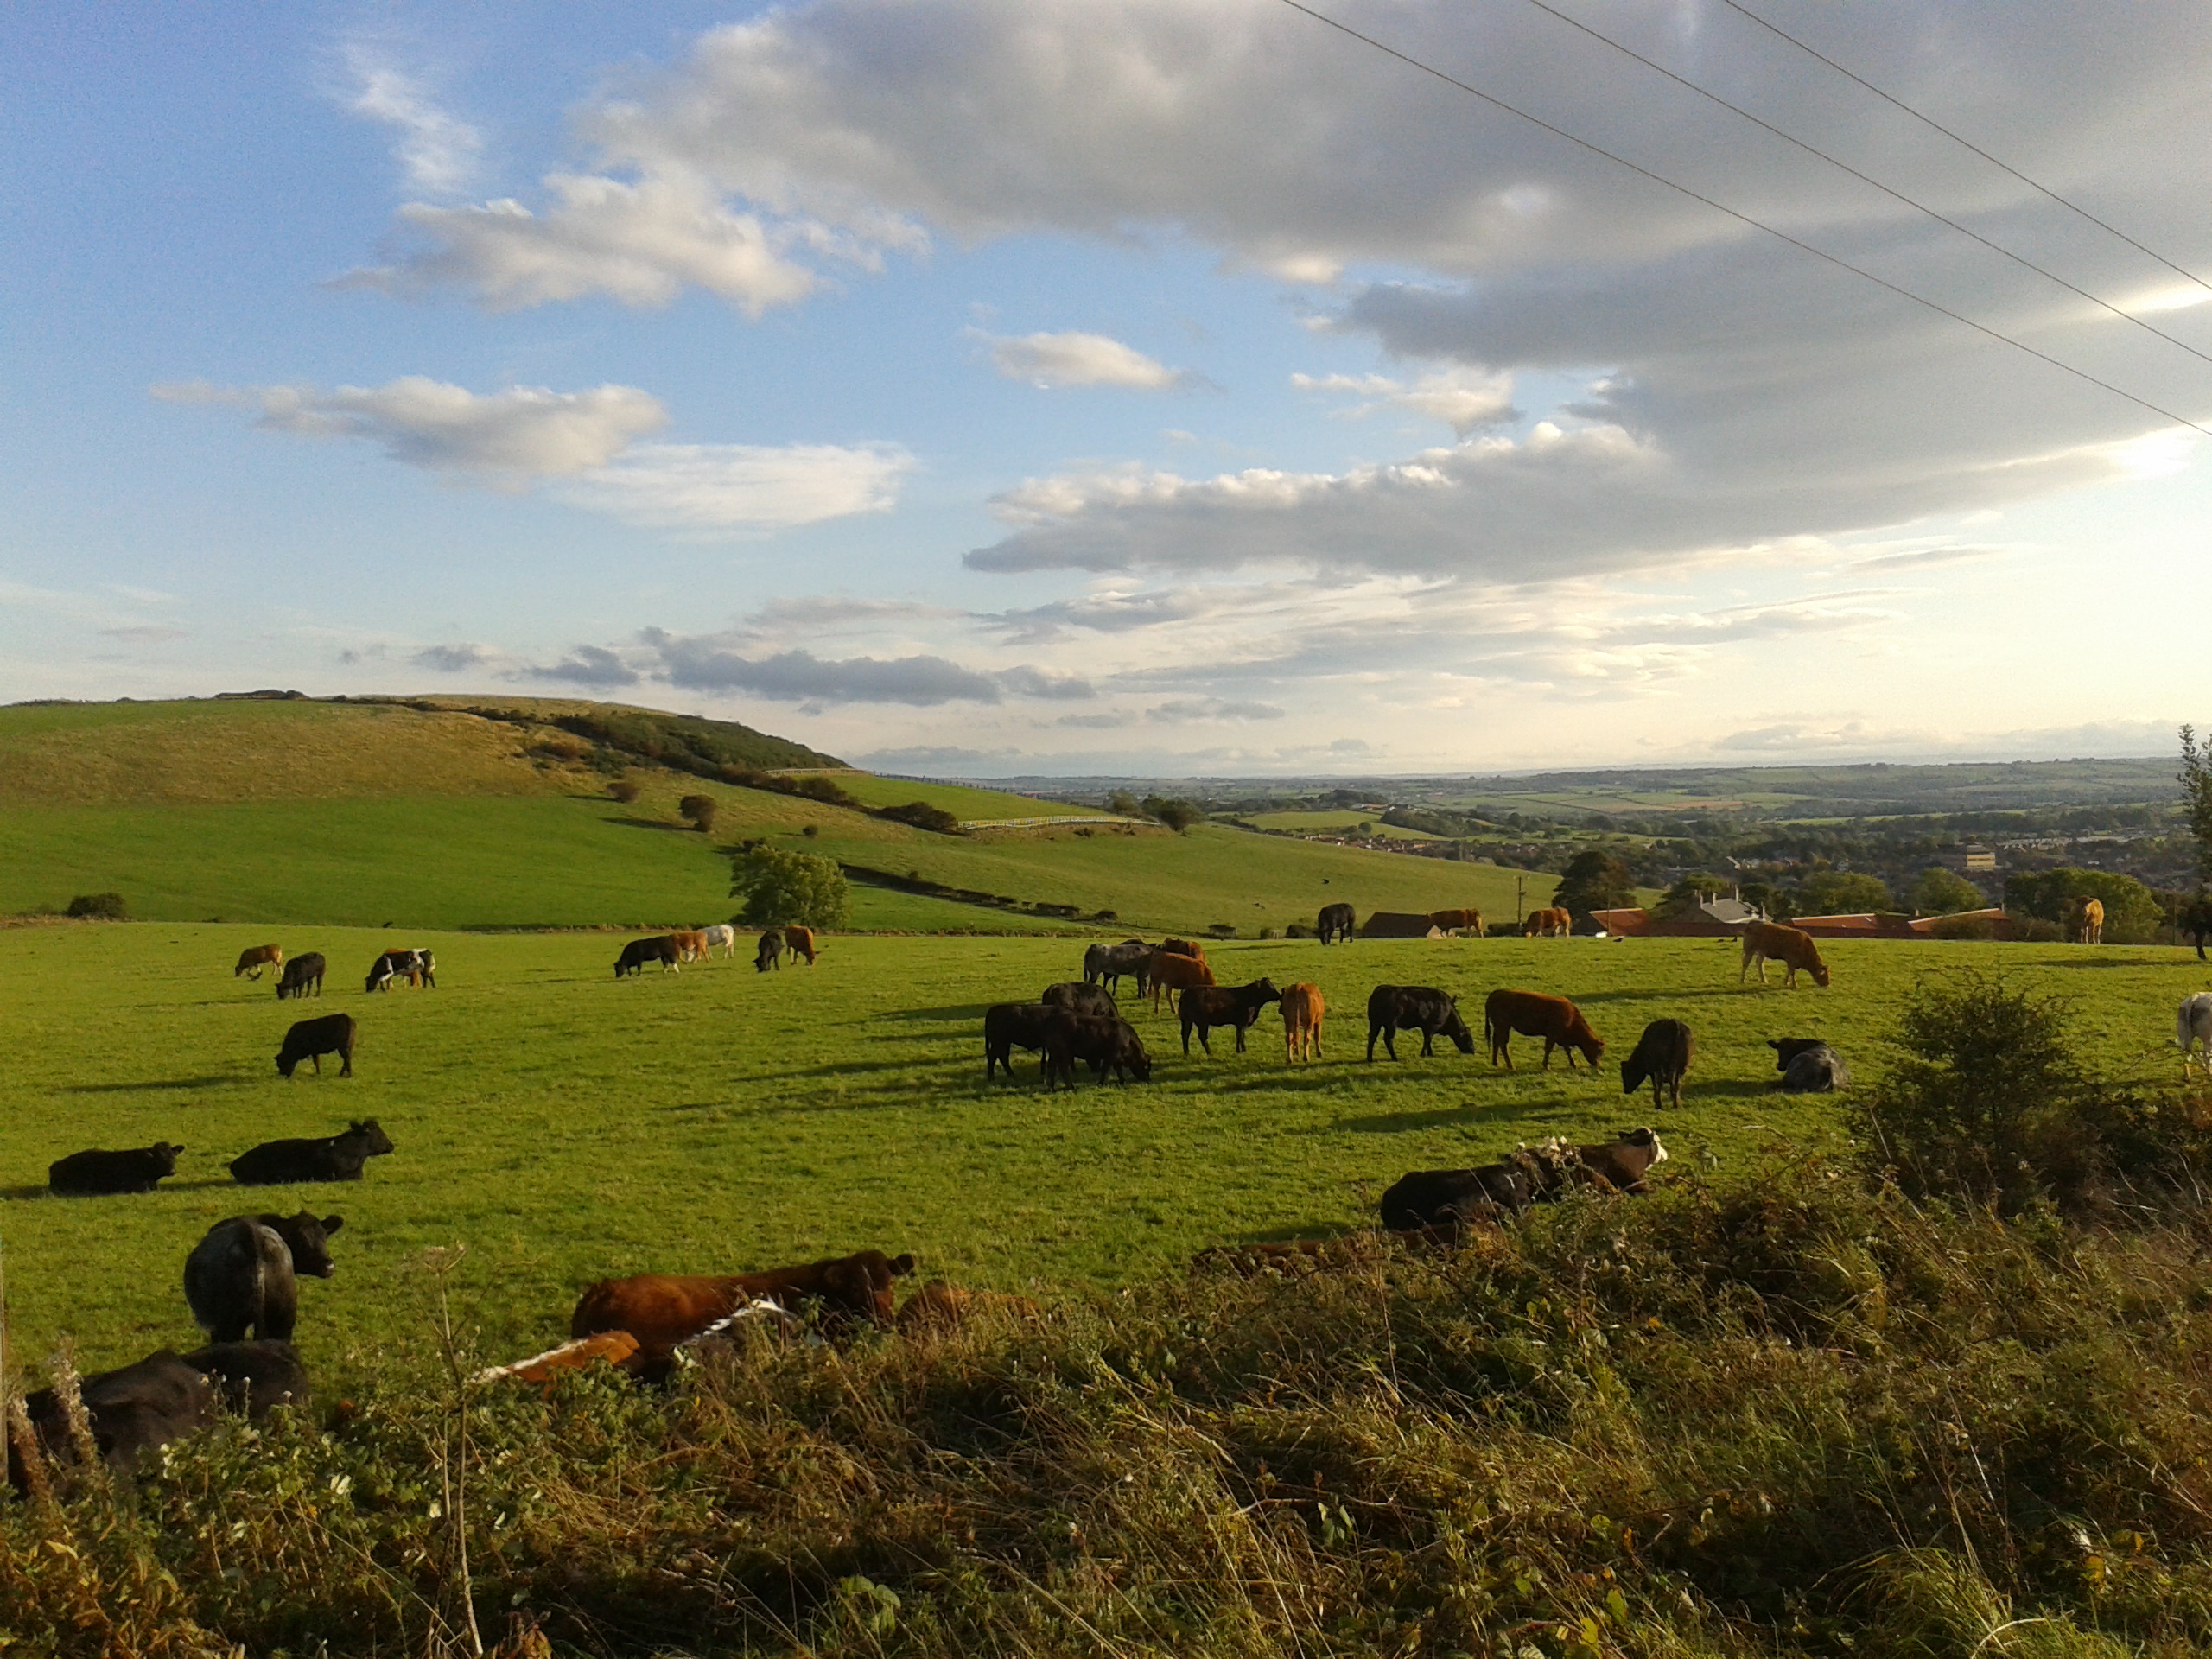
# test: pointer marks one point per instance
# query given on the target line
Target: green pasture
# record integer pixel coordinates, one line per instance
(1334, 824)
(963, 800)
(564, 1126)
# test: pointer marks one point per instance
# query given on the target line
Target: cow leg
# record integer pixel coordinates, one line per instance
(1547, 1055)
(317, 1058)
(1373, 1032)
(1428, 1044)
(346, 1070)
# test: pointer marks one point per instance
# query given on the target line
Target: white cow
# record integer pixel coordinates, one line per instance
(723, 934)
(2193, 1029)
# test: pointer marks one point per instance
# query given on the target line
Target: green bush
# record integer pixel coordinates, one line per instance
(1837, 893)
(1941, 893)
(922, 816)
(624, 790)
(1176, 815)
(2132, 913)
(780, 888)
(1594, 881)
(698, 810)
(100, 907)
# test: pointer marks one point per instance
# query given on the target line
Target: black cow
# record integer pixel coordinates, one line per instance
(1336, 922)
(1109, 1042)
(1081, 998)
(1010, 1025)
(242, 1274)
(89, 1174)
(1452, 1199)
(310, 1040)
(414, 966)
(769, 953)
(635, 954)
(1204, 1006)
(1815, 1070)
(300, 973)
(253, 1376)
(132, 1411)
(1663, 1055)
(1104, 964)
(1393, 1008)
(1786, 1049)
(324, 1158)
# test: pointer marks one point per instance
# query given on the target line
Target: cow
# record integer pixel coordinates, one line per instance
(2194, 918)
(95, 1173)
(616, 1348)
(1081, 998)
(1532, 1014)
(321, 1157)
(310, 1040)
(1815, 1070)
(799, 941)
(1190, 948)
(1792, 947)
(418, 967)
(243, 1272)
(1786, 1049)
(1336, 922)
(254, 958)
(1010, 1025)
(635, 954)
(1543, 924)
(1392, 1008)
(137, 1409)
(769, 953)
(1455, 921)
(690, 944)
(1204, 1006)
(1170, 973)
(1105, 964)
(1620, 1165)
(938, 1307)
(252, 1377)
(1107, 1042)
(300, 973)
(1662, 1054)
(1302, 1009)
(2193, 1030)
(1447, 1199)
(720, 937)
(2084, 920)
(662, 1310)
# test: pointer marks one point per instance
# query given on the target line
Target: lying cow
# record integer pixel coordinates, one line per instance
(310, 1040)
(252, 1377)
(769, 952)
(242, 1275)
(1818, 1069)
(161, 1399)
(300, 973)
(1204, 1006)
(1532, 1014)
(95, 1173)
(1336, 922)
(1302, 1009)
(662, 1310)
(1662, 1055)
(1081, 998)
(255, 957)
(1393, 1008)
(1790, 946)
(1621, 1164)
(319, 1158)
(418, 967)
(938, 1307)
(1107, 1042)
(615, 1348)
(1445, 1200)
(635, 954)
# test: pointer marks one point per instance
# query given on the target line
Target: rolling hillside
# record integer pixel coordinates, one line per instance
(422, 814)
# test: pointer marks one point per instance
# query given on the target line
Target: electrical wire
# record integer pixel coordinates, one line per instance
(1836, 260)
(1764, 126)
(1968, 144)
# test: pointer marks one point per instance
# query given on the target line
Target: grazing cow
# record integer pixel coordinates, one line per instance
(1109, 1042)
(418, 967)
(254, 958)
(799, 941)
(1543, 924)
(2084, 920)
(720, 937)
(1447, 1199)
(1010, 1025)
(321, 1157)
(1302, 1009)
(769, 953)
(1620, 1165)
(1190, 948)
(132, 1411)
(1662, 1054)
(1081, 998)
(1792, 947)
(661, 1310)
(1532, 1014)
(937, 1307)
(252, 1377)
(635, 954)
(2193, 1030)
(300, 973)
(1336, 922)
(90, 1175)
(1815, 1070)
(243, 1272)
(617, 1348)
(310, 1040)
(1105, 964)
(1454, 921)
(1204, 1006)
(1393, 1008)
(690, 944)
(1170, 974)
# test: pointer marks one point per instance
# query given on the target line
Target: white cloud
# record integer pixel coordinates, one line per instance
(436, 151)
(1078, 360)
(736, 486)
(1462, 398)
(718, 663)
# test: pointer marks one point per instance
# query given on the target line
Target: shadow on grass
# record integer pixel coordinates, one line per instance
(158, 1082)
(1446, 1117)
(963, 1011)
(1669, 995)
(654, 823)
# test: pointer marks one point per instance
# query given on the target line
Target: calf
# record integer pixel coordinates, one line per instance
(242, 1273)
(1532, 1014)
(1204, 1006)
(1010, 1025)
(635, 954)
(661, 1310)
(1790, 946)
(1451, 1198)
(1105, 964)
(1662, 1054)
(799, 941)
(254, 958)
(1621, 1164)
(1302, 1009)
(1816, 1071)
(1392, 1008)
(300, 973)
(690, 944)
(1172, 974)
(90, 1175)
(1081, 998)
(1109, 1043)
(418, 967)
(323, 1158)
(720, 937)
(1336, 922)
(2193, 1029)
(769, 953)
(310, 1040)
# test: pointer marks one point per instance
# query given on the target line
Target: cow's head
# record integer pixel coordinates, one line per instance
(1645, 1138)
(861, 1282)
(1456, 1029)
(308, 1237)
(165, 1155)
(285, 1061)
(1819, 971)
(1592, 1045)
(368, 1130)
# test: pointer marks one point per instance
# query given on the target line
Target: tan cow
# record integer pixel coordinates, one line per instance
(1170, 972)
(252, 961)
(799, 941)
(1792, 947)
(2085, 920)
(1302, 1009)
(1543, 924)
(690, 944)
(1184, 948)
(1454, 921)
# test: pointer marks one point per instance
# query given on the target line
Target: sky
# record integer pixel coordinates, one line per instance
(997, 387)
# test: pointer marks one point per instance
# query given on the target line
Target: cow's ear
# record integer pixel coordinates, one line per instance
(332, 1223)
(902, 1264)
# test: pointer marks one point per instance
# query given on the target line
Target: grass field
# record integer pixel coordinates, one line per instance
(1334, 824)
(565, 1126)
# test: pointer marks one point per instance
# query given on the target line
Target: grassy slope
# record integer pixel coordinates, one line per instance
(1335, 824)
(566, 1126)
(959, 799)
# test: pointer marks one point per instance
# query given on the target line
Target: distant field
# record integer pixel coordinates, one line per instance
(1333, 823)
(565, 1126)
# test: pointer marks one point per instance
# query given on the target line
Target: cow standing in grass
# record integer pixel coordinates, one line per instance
(254, 958)
(1393, 1008)
(2193, 1030)
(769, 952)
(2085, 920)
(1336, 922)
(799, 941)
(1532, 1014)
(1170, 973)
(1790, 946)
(720, 937)
(1662, 1057)
(1302, 1009)
(1204, 1006)
(299, 973)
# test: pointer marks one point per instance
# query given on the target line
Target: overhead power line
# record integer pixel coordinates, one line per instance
(1968, 144)
(1743, 218)
(1764, 126)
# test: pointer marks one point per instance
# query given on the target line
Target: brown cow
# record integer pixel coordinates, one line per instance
(1170, 971)
(1302, 1009)
(1792, 947)
(661, 1310)
(1532, 1014)
(799, 941)
(1543, 924)
(2085, 920)
(253, 960)
(1454, 921)
(1190, 948)
(690, 944)
(617, 1348)
(938, 1306)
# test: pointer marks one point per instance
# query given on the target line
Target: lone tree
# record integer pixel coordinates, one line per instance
(699, 811)
(1176, 815)
(1837, 893)
(1594, 881)
(780, 888)
(1944, 892)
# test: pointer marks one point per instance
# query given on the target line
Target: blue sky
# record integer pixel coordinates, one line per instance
(1016, 386)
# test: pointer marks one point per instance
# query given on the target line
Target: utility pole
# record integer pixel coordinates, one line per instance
(1519, 898)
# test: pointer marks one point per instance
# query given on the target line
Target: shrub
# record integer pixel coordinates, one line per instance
(1267, 932)
(811, 831)
(2132, 913)
(1176, 815)
(1222, 929)
(623, 790)
(1594, 881)
(1124, 803)
(698, 810)
(1838, 893)
(100, 907)
(1105, 915)
(922, 816)
(1940, 891)
(1971, 927)
(780, 887)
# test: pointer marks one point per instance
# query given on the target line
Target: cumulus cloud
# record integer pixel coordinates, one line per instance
(743, 487)
(436, 151)
(710, 662)
(1463, 399)
(456, 658)
(593, 665)
(1078, 360)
